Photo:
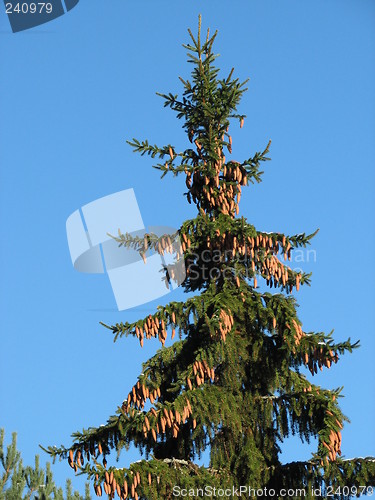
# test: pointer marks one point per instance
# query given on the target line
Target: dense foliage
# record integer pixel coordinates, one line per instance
(19, 482)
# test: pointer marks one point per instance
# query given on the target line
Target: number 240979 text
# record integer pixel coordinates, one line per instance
(25, 8)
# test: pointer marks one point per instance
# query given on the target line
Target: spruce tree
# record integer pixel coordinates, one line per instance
(19, 482)
(232, 384)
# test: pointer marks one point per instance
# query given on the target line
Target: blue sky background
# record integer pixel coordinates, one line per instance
(75, 89)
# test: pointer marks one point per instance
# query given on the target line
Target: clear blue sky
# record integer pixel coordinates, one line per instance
(72, 92)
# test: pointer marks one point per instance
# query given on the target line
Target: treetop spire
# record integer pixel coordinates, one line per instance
(207, 105)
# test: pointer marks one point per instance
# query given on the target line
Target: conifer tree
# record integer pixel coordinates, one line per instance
(18, 482)
(232, 384)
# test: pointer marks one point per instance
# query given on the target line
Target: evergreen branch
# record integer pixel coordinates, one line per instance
(154, 151)
(341, 479)
(153, 478)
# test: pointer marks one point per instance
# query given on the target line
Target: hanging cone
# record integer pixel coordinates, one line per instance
(178, 417)
(147, 422)
(162, 423)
